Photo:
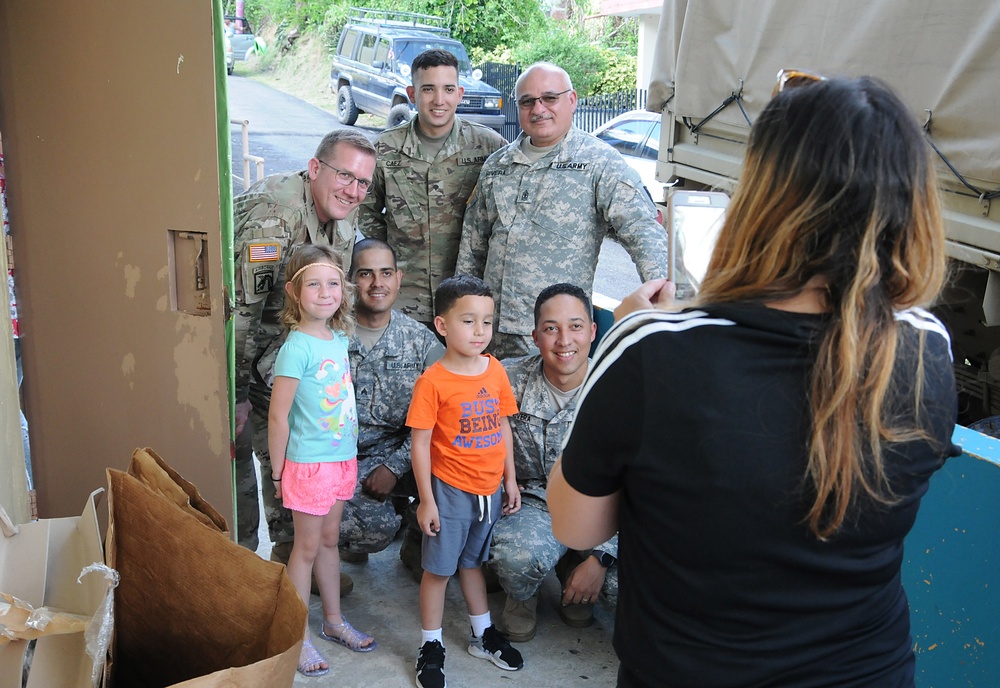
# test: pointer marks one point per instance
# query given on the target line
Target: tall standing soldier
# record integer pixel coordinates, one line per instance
(273, 216)
(544, 205)
(425, 173)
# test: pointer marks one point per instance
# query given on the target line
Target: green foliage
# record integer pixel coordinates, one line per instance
(599, 54)
(616, 33)
(619, 75)
(297, 14)
(583, 61)
(261, 12)
(488, 24)
(333, 24)
(501, 53)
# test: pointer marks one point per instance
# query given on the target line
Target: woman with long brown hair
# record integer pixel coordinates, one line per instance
(784, 429)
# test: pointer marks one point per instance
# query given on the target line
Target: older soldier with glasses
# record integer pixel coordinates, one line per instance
(270, 218)
(545, 203)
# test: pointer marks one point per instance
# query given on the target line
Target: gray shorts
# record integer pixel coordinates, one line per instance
(467, 522)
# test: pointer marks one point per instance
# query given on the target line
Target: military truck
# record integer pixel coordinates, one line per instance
(715, 66)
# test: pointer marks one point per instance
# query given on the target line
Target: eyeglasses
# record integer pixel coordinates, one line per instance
(794, 78)
(527, 102)
(345, 178)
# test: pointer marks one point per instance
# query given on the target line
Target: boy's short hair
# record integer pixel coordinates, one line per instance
(454, 288)
(435, 57)
(554, 290)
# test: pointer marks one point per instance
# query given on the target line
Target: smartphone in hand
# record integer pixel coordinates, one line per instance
(694, 219)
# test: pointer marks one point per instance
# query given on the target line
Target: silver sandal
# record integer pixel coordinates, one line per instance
(347, 635)
(310, 657)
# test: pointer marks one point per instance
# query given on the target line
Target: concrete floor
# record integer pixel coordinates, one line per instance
(385, 604)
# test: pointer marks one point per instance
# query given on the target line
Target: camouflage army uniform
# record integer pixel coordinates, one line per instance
(532, 224)
(269, 219)
(424, 199)
(524, 549)
(383, 383)
(247, 499)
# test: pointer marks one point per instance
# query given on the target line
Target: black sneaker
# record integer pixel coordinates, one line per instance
(430, 665)
(492, 645)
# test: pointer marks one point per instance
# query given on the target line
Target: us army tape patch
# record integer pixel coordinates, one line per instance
(265, 252)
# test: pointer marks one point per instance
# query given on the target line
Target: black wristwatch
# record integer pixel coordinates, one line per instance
(604, 558)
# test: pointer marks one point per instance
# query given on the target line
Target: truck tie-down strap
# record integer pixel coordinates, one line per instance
(737, 97)
(734, 97)
(980, 194)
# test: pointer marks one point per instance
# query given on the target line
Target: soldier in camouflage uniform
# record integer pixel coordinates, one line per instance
(425, 173)
(388, 351)
(524, 549)
(269, 219)
(545, 203)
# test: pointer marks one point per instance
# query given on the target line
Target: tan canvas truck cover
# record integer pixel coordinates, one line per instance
(715, 66)
(943, 58)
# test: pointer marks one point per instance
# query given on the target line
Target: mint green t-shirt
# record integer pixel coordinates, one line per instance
(323, 420)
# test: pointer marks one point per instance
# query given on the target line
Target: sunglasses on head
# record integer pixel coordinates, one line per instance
(794, 78)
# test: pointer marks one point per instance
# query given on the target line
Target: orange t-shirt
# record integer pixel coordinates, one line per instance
(467, 444)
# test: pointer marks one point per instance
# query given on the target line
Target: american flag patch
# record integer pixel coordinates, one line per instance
(261, 253)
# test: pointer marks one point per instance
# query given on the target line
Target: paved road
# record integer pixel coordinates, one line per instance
(285, 131)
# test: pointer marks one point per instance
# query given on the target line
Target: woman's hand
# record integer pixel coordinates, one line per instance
(656, 293)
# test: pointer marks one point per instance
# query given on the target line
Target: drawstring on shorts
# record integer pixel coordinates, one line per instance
(486, 500)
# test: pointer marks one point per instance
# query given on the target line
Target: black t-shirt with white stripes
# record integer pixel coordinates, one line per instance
(701, 419)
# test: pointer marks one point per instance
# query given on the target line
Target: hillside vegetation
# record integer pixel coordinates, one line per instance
(598, 52)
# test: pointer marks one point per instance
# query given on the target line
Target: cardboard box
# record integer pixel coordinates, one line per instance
(193, 608)
(39, 567)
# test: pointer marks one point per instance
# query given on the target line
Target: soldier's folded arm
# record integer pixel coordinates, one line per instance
(398, 460)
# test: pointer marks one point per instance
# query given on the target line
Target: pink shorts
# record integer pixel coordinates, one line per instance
(313, 488)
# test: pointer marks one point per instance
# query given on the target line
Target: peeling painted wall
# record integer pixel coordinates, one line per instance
(110, 143)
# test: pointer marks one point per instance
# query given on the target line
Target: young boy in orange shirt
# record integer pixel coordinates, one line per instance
(461, 451)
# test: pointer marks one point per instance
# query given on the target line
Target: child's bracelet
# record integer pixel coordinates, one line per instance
(275, 480)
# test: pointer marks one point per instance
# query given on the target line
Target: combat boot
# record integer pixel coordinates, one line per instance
(519, 619)
(577, 615)
(573, 615)
(350, 557)
(492, 579)
(410, 551)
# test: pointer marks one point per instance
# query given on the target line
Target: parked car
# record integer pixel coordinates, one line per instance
(240, 34)
(371, 68)
(636, 135)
